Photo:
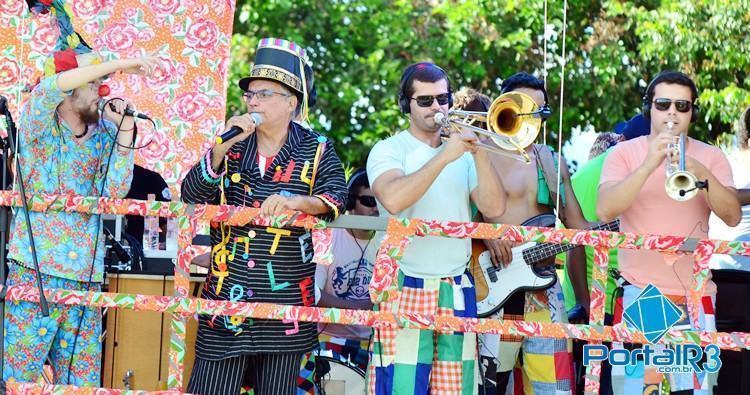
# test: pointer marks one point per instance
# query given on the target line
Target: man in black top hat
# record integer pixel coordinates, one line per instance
(275, 165)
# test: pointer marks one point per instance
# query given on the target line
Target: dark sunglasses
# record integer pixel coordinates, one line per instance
(367, 201)
(426, 101)
(663, 104)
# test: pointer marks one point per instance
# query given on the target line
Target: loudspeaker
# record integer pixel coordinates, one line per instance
(733, 285)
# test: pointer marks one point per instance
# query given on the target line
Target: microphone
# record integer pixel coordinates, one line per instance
(543, 112)
(235, 130)
(131, 112)
(698, 185)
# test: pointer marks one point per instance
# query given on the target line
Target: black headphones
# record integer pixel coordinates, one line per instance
(351, 200)
(406, 80)
(649, 96)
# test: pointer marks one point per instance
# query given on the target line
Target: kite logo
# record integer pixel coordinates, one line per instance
(654, 315)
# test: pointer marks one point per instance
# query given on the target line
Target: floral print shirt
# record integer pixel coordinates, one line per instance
(52, 162)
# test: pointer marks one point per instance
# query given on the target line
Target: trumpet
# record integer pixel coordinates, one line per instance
(513, 123)
(680, 185)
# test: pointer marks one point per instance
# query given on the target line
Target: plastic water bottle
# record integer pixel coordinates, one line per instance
(151, 230)
(171, 234)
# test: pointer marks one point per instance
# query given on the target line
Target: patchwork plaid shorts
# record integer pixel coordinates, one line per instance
(412, 361)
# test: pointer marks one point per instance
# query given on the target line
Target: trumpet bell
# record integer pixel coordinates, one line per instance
(510, 117)
(681, 186)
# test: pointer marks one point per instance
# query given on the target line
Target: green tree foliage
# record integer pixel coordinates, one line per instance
(612, 49)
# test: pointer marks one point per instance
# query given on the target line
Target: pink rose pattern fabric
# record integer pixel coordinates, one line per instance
(186, 95)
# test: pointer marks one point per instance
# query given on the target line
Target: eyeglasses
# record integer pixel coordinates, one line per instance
(426, 101)
(367, 201)
(663, 104)
(263, 94)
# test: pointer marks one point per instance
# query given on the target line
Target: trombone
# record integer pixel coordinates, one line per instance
(513, 123)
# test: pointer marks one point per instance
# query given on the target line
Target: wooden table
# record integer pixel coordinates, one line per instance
(138, 341)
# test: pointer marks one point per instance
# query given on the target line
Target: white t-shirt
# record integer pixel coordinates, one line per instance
(347, 278)
(717, 229)
(447, 199)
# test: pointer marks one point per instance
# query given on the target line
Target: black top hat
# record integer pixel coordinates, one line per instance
(284, 62)
(281, 61)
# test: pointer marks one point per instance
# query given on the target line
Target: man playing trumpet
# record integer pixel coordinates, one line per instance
(632, 186)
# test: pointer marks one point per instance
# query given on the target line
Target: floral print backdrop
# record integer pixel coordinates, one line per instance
(186, 96)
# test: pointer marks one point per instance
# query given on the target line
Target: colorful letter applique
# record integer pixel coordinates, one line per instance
(233, 323)
(278, 233)
(272, 279)
(303, 176)
(304, 243)
(287, 175)
(293, 330)
(307, 299)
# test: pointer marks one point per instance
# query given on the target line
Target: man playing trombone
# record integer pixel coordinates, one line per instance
(636, 187)
(415, 174)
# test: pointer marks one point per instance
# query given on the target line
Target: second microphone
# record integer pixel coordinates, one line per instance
(132, 113)
(235, 130)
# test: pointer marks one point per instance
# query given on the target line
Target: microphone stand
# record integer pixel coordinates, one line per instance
(7, 145)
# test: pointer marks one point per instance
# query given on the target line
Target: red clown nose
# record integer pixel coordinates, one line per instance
(103, 90)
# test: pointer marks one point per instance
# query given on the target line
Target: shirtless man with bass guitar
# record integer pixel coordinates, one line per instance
(531, 197)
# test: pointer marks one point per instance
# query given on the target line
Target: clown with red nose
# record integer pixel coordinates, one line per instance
(68, 143)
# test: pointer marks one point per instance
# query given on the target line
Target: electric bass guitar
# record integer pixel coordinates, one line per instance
(495, 285)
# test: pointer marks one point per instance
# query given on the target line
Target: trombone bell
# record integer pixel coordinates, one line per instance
(512, 118)
(513, 123)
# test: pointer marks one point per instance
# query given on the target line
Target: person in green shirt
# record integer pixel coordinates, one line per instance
(584, 183)
(574, 285)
